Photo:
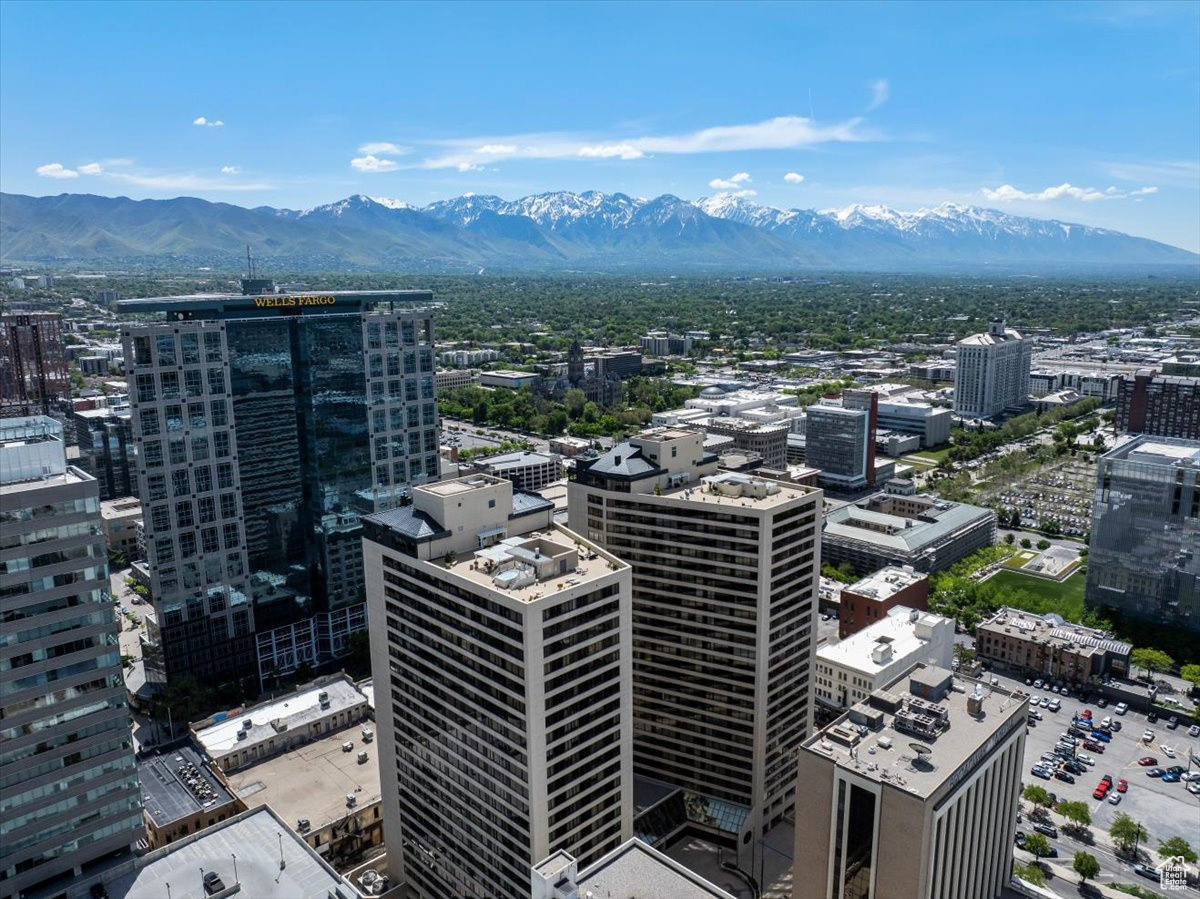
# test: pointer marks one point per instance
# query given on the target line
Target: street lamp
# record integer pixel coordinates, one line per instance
(235, 874)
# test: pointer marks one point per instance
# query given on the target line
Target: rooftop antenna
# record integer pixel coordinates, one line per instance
(249, 263)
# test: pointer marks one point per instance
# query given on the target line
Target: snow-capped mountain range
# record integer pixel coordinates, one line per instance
(562, 230)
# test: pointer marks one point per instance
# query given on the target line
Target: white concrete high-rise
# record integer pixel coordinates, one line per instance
(501, 651)
(725, 576)
(992, 375)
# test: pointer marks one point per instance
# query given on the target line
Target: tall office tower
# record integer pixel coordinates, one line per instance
(992, 374)
(1145, 546)
(33, 363)
(69, 796)
(500, 645)
(725, 577)
(105, 440)
(841, 443)
(912, 794)
(1163, 405)
(266, 426)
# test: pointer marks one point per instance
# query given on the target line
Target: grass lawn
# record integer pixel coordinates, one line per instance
(1038, 595)
(937, 456)
(1021, 558)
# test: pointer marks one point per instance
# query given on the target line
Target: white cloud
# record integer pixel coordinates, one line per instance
(1181, 174)
(56, 170)
(92, 168)
(201, 120)
(793, 178)
(469, 167)
(611, 151)
(1006, 193)
(781, 133)
(231, 170)
(371, 163)
(383, 148)
(879, 93)
(730, 183)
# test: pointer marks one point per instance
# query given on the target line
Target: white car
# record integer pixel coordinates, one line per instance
(1054, 705)
(1194, 730)
(1189, 775)
(1122, 708)
(1147, 736)
(1167, 750)
(1086, 759)
(1114, 798)
(1044, 702)
(1038, 684)
(1064, 692)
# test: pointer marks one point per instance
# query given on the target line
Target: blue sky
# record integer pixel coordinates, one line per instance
(1085, 112)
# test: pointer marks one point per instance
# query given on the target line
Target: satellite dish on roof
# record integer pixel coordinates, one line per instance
(920, 749)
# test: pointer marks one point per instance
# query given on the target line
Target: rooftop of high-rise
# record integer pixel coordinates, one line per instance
(919, 733)
(1175, 452)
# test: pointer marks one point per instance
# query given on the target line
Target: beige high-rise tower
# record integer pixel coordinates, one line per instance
(725, 577)
(500, 645)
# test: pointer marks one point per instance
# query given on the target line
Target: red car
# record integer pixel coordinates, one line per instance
(1122, 785)
(1086, 713)
(1147, 761)
(1094, 746)
(1101, 790)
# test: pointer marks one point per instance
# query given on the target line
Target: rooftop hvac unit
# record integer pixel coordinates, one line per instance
(351, 800)
(241, 734)
(247, 723)
(323, 696)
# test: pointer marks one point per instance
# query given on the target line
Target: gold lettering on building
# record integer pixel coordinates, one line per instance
(284, 302)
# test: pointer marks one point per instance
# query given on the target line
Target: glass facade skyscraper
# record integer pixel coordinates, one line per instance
(1144, 558)
(69, 795)
(266, 426)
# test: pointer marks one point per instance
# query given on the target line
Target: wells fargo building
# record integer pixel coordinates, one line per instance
(266, 425)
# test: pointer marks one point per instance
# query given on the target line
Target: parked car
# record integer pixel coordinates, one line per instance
(1147, 760)
(1122, 785)
(1038, 683)
(1116, 725)
(1105, 723)
(213, 883)
(1114, 799)
(1044, 702)
(1194, 730)
(1019, 838)
(1167, 750)
(1102, 702)
(1122, 708)
(1147, 736)
(1107, 779)
(1045, 829)
(1086, 759)
(1100, 792)
(1147, 871)
(1101, 736)
(1155, 772)
(1054, 705)
(1171, 777)
(1152, 716)
(1039, 771)
(1173, 722)
(1093, 746)
(1175, 769)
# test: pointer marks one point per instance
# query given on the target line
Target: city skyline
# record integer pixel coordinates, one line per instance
(812, 107)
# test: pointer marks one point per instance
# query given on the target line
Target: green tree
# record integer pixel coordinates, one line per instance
(1086, 865)
(1037, 844)
(574, 399)
(1151, 660)
(1037, 795)
(1026, 543)
(1177, 846)
(117, 560)
(1043, 544)
(1009, 538)
(1075, 812)
(1126, 832)
(1031, 873)
(1191, 673)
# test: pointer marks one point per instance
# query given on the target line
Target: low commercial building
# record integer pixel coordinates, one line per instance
(513, 380)
(327, 791)
(869, 600)
(247, 736)
(852, 669)
(120, 519)
(251, 854)
(912, 794)
(453, 378)
(632, 869)
(903, 413)
(569, 446)
(769, 440)
(181, 795)
(528, 471)
(1048, 646)
(926, 532)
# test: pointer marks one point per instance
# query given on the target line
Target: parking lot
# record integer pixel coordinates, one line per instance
(1060, 492)
(1164, 809)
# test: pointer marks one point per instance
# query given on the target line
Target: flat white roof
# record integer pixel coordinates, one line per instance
(295, 708)
(855, 650)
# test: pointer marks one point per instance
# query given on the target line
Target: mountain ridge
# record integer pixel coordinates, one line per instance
(557, 229)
